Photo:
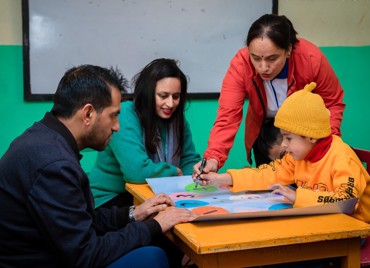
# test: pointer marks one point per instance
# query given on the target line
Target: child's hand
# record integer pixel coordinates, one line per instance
(211, 166)
(215, 178)
(286, 191)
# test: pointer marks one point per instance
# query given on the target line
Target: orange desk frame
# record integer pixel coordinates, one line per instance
(262, 241)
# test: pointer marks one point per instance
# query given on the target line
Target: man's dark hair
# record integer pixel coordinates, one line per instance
(86, 84)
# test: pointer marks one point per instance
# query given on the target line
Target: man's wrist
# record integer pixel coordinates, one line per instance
(131, 215)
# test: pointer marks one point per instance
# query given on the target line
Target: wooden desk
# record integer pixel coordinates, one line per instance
(253, 242)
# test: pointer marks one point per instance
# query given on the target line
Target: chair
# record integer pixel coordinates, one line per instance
(365, 254)
(364, 156)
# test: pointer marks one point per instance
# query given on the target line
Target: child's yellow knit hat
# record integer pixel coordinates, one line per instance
(304, 113)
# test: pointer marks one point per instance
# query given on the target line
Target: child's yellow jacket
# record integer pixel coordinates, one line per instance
(338, 175)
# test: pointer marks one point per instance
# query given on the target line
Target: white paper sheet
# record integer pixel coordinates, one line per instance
(218, 203)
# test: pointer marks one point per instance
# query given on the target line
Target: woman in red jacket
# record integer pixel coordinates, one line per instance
(273, 65)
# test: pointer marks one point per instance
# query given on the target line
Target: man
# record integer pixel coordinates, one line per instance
(47, 217)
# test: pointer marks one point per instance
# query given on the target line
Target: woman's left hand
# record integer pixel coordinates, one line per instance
(179, 172)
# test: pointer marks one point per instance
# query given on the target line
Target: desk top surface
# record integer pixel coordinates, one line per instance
(227, 235)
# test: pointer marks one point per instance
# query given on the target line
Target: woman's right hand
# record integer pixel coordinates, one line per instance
(211, 166)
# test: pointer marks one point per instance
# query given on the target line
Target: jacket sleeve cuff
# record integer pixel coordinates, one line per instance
(219, 159)
(123, 219)
(122, 216)
(154, 227)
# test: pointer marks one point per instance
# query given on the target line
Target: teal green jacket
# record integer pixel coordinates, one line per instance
(126, 160)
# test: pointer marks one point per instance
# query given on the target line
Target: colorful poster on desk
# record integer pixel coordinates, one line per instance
(218, 203)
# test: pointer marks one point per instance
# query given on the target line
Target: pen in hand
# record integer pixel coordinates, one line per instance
(202, 165)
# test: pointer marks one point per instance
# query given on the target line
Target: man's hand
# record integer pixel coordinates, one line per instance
(152, 206)
(172, 216)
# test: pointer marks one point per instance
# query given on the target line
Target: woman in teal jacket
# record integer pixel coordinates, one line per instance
(154, 140)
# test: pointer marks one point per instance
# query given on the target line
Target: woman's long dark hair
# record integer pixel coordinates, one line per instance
(144, 98)
(279, 29)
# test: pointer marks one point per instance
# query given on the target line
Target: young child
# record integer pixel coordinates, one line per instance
(268, 144)
(324, 168)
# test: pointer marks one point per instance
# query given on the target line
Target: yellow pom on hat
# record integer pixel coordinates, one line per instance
(304, 113)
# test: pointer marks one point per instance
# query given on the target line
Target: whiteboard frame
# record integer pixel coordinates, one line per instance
(29, 95)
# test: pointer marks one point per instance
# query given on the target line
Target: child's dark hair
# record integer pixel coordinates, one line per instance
(269, 136)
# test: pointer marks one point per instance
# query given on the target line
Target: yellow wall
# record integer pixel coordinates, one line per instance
(10, 22)
(330, 22)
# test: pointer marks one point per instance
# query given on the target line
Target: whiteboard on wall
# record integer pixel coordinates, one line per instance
(203, 35)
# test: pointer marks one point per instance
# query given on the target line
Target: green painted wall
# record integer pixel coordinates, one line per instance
(350, 64)
(15, 113)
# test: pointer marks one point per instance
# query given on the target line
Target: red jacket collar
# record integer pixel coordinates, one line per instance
(319, 150)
